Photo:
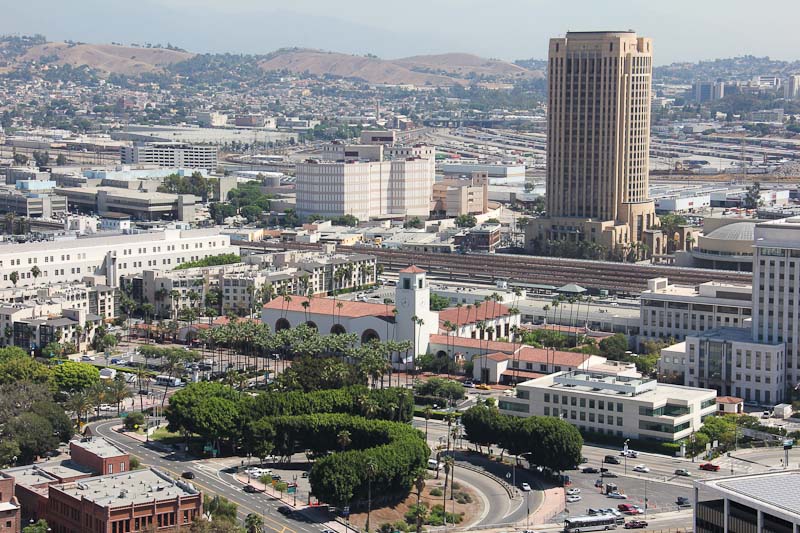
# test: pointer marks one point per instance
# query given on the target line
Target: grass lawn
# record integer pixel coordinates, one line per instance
(166, 437)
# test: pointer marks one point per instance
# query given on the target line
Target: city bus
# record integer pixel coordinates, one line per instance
(597, 522)
(168, 380)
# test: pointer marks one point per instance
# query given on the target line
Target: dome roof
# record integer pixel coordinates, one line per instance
(738, 231)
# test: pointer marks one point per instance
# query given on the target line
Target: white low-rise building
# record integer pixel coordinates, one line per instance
(615, 405)
(113, 256)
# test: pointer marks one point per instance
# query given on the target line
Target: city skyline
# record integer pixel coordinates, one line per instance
(353, 27)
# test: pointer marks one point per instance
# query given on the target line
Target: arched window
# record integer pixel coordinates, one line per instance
(281, 324)
(312, 325)
(370, 335)
(338, 329)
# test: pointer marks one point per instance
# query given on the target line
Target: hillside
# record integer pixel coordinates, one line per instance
(108, 57)
(464, 65)
(444, 69)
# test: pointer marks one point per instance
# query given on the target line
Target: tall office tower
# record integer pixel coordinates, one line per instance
(791, 87)
(598, 141)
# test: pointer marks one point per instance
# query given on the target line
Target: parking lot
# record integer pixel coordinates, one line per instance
(661, 496)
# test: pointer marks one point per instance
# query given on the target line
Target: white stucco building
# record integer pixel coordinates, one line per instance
(622, 406)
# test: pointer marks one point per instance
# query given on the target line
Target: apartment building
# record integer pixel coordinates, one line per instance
(671, 311)
(69, 260)
(171, 154)
(614, 405)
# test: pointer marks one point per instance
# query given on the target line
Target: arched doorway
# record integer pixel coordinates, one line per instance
(338, 329)
(281, 324)
(312, 325)
(440, 354)
(370, 335)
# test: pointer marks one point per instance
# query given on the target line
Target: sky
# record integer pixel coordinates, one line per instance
(683, 30)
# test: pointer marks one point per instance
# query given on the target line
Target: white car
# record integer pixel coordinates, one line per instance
(629, 453)
(525, 487)
(617, 496)
(87, 358)
(573, 498)
(641, 468)
(572, 492)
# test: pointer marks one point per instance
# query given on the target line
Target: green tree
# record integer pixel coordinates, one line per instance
(61, 160)
(414, 223)
(20, 159)
(438, 303)
(614, 347)
(466, 221)
(253, 523)
(134, 421)
(220, 508)
(72, 377)
(42, 158)
(34, 435)
(14, 277)
(39, 527)
(752, 198)
(58, 419)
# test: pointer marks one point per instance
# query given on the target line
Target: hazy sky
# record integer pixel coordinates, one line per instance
(683, 30)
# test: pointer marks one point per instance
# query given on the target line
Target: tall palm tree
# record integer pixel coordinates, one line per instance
(419, 484)
(79, 403)
(371, 468)
(428, 413)
(118, 391)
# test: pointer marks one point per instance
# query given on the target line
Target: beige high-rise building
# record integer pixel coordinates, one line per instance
(598, 143)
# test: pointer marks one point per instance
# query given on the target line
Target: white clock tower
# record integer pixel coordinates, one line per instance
(412, 299)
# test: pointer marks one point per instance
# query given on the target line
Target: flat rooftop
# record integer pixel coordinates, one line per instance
(779, 490)
(128, 488)
(98, 446)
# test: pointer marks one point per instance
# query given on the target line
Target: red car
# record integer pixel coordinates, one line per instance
(635, 524)
(711, 467)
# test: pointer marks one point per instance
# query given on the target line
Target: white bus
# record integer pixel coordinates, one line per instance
(168, 380)
(598, 522)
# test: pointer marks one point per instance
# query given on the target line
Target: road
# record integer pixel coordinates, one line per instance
(211, 480)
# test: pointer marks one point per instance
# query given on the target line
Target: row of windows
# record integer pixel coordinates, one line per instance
(574, 401)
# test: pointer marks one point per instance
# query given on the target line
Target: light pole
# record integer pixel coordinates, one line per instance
(514, 469)
(625, 455)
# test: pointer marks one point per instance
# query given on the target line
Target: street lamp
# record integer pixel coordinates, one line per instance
(625, 455)
(514, 469)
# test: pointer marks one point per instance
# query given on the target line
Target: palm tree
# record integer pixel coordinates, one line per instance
(371, 469)
(118, 391)
(253, 523)
(418, 325)
(79, 403)
(419, 484)
(35, 272)
(428, 413)
(343, 439)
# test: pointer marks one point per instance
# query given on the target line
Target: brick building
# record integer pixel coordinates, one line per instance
(9, 507)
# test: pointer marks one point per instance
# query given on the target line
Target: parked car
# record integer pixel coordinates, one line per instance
(574, 498)
(682, 472)
(87, 358)
(188, 475)
(608, 474)
(525, 487)
(571, 492)
(469, 384)
(590, 470)
(641, 468)
(683, 500)
(635, 509)
(611, 459)
(710, 467)
(624, 507)
(617, 496)
(635, 524)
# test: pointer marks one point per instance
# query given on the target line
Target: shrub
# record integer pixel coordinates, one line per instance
(436, 491)
(134, 421)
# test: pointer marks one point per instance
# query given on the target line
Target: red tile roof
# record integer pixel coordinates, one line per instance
(329, 306)
(413, 269)
(464, 315)
(529, 354)
(729, 399)
(464, 342)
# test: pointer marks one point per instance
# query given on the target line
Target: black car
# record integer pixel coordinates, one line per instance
(188, 475)
(608, 474)
(285, 511)
(590, 470)
(611, 459)
(251, 489)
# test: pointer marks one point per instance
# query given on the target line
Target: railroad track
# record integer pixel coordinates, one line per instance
(618, 278)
